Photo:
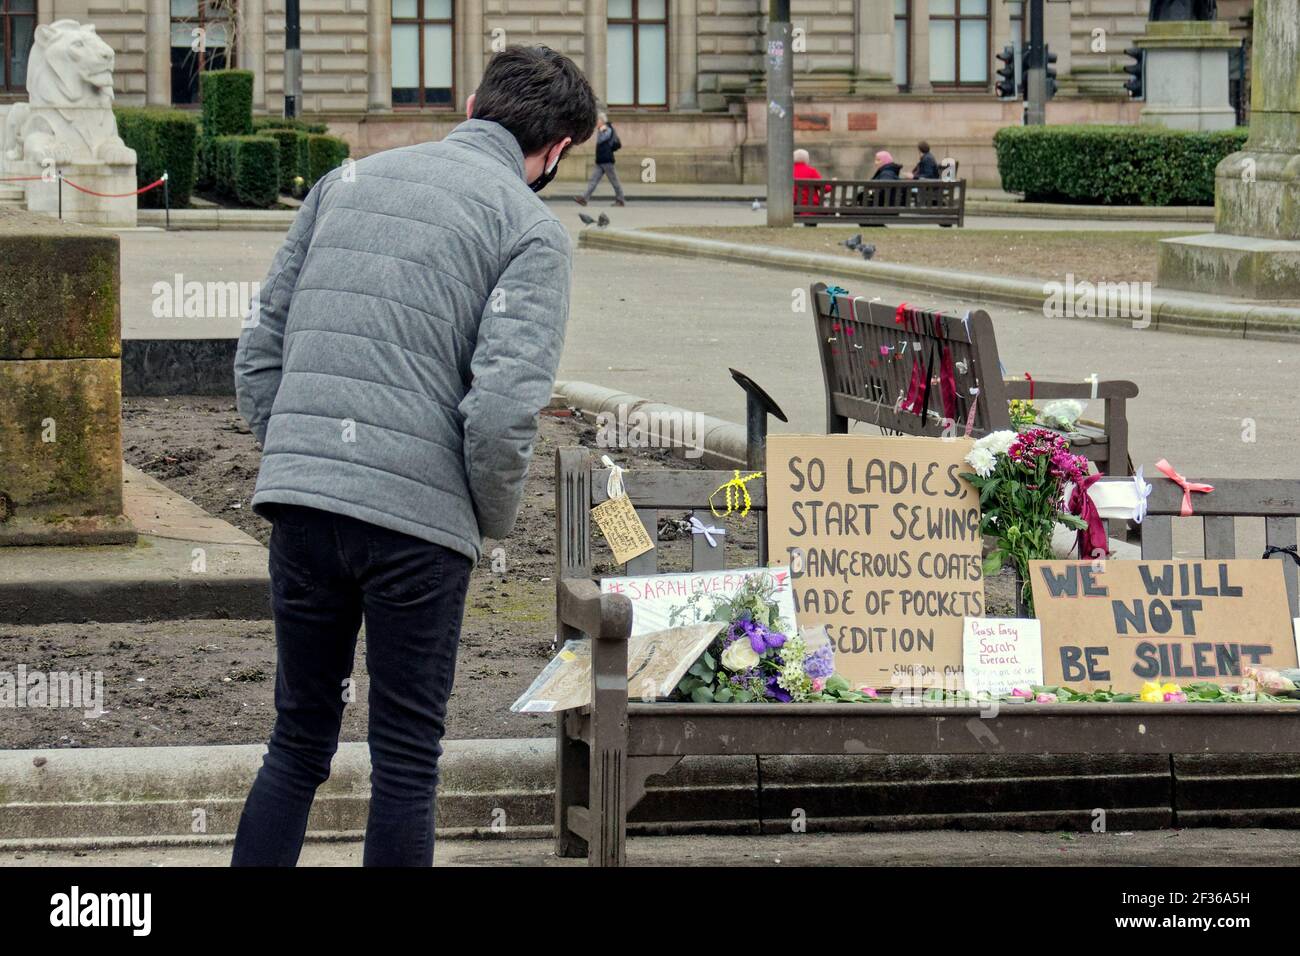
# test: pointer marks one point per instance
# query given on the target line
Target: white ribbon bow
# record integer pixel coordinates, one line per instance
(1143, 492)
(614, 486)
(699, 527)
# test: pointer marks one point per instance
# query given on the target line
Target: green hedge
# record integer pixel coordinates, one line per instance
(263, 123)
(245, 168)
(293, 155)
(323, 154)
(1120, 165)
(164, 141)
(227, 102)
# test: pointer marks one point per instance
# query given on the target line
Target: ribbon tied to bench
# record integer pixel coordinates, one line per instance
(1188, 486)
(735, 492)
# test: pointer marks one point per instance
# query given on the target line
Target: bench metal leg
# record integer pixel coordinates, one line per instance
(571, 785)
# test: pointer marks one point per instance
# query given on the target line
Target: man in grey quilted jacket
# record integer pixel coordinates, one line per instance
(408, 334)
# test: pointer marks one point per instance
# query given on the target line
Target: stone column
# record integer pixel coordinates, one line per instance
(158, 50)
(250, 46)
(921, 47)
(873, 47)
(595, 29)
(379, 55)
(1254, 251)
(682, 83)
(469, 23)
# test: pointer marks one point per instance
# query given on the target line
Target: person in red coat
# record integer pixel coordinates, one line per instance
(805, 170)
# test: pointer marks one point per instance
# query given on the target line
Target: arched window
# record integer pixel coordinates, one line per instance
(17, 28)
(422, 53)
(202, 38)
(959, 43)
(636, 53)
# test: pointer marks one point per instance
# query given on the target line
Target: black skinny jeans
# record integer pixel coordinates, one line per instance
(328, 573)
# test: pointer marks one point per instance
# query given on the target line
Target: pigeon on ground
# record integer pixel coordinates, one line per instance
(603, 221)
(586, 220)
(867, 251)
(854, 243)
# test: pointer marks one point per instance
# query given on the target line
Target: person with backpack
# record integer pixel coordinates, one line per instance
(607, 145)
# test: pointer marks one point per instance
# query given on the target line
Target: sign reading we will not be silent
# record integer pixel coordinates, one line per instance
(1119, 624)
(882, 537)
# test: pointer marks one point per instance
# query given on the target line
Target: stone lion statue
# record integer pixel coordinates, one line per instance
(69, 114)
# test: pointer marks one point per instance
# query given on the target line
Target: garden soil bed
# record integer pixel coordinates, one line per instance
(213, 682)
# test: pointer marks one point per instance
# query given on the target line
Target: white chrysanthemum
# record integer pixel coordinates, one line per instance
(982, 460)
(997, 442)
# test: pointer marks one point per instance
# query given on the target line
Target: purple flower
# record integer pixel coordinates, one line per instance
(776, 691)
(820, 663)
(760, 638)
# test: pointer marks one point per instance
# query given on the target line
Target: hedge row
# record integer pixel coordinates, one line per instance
(227, 97)
(1120, 165)
(323, 154)
(244, 168)
(164, 141)
(263, 123)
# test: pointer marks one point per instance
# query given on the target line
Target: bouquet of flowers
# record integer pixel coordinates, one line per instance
(1022, 480)
(755, 658)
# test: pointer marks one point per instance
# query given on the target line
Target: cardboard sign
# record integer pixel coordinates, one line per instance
(1000, 654)
(622, 528)
(883, 540)
(1118, 624)
(656, 663)
(661, 601)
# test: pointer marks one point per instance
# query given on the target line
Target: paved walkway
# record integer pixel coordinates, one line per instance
(668, 328)
(931, 848)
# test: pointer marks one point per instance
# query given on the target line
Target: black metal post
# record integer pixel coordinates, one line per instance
(292, 60)
(1036, 68)
(60, 175)
(167, 200)
(758, 405)
(780, 115)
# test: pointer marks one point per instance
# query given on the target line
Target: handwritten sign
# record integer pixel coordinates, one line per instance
(622, 528)
(1119, 624)
(882, 537)
(1000, 654)
(661, 601)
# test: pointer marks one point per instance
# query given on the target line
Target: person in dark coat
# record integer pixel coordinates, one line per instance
(886, 168)
(607, 145)
(927, 167)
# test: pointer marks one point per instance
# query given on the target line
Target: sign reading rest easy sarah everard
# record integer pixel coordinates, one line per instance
(883, 541)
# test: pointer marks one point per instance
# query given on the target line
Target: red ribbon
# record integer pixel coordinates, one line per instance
(1188, 486)
(1093, 543)
(900, 314)
(1030, 379)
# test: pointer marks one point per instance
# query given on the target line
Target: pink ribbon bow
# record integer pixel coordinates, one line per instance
(1188, 487)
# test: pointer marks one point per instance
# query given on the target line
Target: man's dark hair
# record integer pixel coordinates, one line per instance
(539, 95)
(923, 146)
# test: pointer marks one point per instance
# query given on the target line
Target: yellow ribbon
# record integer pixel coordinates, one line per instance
(735, 489)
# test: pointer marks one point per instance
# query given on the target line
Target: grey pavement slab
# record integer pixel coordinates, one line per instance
(926, 848)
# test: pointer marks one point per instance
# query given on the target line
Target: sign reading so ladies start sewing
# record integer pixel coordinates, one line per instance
(882, 537)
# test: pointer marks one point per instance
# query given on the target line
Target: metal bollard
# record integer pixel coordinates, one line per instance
(758, 405)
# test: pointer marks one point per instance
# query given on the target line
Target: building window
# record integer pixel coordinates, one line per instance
(1016, 8)
(422, 53)
(903, 43)
(17, 28)
(959, 43)
(203, 38)
(637, 53)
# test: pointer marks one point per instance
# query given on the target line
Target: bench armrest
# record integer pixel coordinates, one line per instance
(1119, 388)
(582, 605)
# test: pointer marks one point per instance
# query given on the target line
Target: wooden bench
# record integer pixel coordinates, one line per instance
(605, 752)
(880, 202)
(864, 385)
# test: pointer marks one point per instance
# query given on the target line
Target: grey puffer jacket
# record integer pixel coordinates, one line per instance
(409, 332)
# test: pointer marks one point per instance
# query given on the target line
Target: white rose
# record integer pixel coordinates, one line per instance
(739, 656)
(982, 460)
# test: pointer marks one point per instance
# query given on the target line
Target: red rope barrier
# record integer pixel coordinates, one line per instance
(19, 179)
(143, 189)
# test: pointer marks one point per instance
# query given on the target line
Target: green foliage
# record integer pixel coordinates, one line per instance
(227, 97)
(164, 141)
(293, 156)
(323, 154)
(263, 123)
(245, 168)
(1119, 165)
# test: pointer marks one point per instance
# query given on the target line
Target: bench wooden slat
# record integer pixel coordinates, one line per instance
(1157, 537)
(680, 490)
(646, 563)
(1281, 533)
(1220, 537)
(704, 557)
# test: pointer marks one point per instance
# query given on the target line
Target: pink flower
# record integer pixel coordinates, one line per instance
(1021, 692)
(1046, 699)
(818, 683)
(869, 691)
(1179, 698)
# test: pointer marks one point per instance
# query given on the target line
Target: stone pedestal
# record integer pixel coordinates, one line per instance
(60, 385)
(1254, 251)
(113, 180)
(1186, 81)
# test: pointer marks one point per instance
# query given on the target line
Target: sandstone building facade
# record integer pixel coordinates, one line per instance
(682, 79)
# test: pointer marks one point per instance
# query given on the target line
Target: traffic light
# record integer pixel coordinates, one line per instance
(1006, 82)
(1051, 72)
(1136, 71)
